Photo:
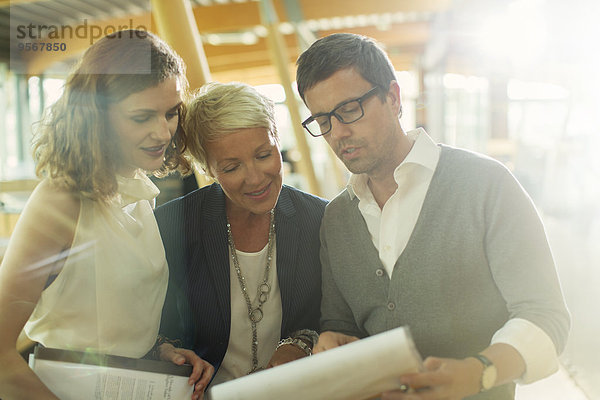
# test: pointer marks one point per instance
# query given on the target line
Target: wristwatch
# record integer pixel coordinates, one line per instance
(489, 374)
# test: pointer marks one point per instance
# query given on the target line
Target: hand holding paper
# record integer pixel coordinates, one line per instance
(202, 371)
(358, 370)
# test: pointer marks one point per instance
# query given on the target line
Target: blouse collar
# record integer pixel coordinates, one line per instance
(132, 190)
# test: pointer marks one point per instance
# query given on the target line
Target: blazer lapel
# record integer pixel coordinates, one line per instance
(287, 231)
(214, 244)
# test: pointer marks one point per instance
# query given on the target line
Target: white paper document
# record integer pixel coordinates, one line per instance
(355, 371)
(74, 375)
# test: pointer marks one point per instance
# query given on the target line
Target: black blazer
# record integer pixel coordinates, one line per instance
(198, 303)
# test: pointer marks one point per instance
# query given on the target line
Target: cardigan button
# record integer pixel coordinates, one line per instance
(379, 272)
(391, 306)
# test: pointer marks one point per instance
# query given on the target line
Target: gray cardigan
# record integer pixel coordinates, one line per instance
(477, 257)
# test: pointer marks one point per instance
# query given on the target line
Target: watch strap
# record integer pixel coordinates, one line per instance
(488, 375)
(484, 360)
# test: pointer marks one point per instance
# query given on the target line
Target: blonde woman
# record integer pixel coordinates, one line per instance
(85, 268)
(243, 253)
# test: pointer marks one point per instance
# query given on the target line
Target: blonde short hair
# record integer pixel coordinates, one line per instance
(74, 145)
(219, 109)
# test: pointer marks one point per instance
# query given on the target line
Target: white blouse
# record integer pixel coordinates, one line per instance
(238, 358)
(109, 293)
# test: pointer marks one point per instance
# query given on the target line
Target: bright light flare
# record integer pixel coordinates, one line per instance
(518, 35)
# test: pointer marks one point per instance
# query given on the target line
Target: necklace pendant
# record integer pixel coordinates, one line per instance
(263, 293)
(263, 297)
(264, 288)
(256, 315)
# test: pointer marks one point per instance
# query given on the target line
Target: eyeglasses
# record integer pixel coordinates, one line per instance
(347, 113)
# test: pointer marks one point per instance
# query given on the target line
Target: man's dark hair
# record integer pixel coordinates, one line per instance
(339, 51)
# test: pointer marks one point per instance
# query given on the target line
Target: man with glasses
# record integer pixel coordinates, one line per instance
(439, 239)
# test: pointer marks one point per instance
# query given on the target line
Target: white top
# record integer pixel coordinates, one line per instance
(109, 294)
(238, 358)
(392, 226)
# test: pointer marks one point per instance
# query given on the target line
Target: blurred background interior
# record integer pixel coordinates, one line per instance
(515, 79)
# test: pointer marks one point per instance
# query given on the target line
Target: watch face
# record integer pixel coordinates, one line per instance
(489, 377)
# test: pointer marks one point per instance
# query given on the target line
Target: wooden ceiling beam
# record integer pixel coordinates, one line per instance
(397, 35)
(259, 75)
(267, 73)
(402, 41)
(8, 3)
(241, 16)
(227, 17)
(316, 9)
(243, 59)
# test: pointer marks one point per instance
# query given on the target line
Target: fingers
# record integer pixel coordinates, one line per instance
(433, 375)
(329, 340)
(204, 371)
(442, 379)
(181, 356)
(426, 380)
(404, 393)
(206, 376)
(198, 394)
(432, 363)
(409, 393)
(318, 348)
(168, 352)
(350, 339)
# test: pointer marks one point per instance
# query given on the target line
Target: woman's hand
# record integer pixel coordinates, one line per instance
(285, 354)
(202, 371)
(329, 340)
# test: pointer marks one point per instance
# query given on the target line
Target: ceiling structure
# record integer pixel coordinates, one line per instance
(548, 41)
(422, 35)
(232, 34)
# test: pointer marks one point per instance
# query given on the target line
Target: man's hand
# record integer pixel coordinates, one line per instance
(202, 371)
(284, 354)
(329, 340)
(444, 378)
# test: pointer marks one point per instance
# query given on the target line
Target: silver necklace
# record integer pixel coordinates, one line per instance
(255, 314)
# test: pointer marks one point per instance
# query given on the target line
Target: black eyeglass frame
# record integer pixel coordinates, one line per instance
(333, 112)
